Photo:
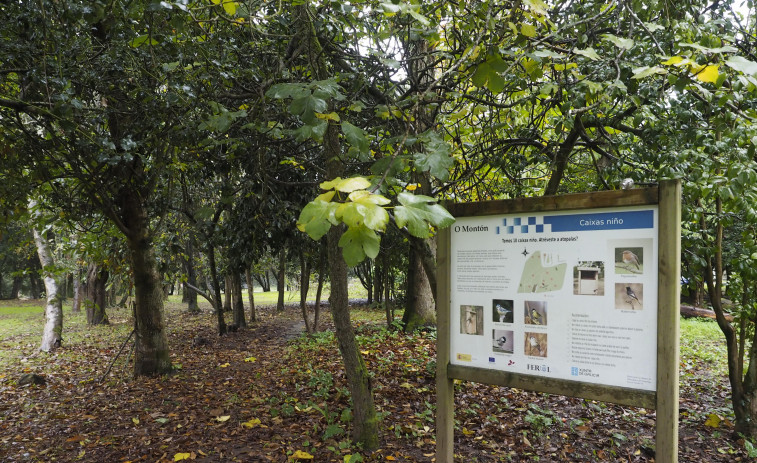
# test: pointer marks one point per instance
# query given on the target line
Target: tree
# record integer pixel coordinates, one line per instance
(52, 335)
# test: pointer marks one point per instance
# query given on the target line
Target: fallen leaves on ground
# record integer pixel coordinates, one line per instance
(261, 395)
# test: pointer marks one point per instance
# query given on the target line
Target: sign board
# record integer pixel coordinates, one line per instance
(569, 295)
(575, 295)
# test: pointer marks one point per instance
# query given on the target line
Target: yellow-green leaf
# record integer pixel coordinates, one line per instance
(300, 455)
(230, 8)
(325, 197)
(250, 359)
(181, 456)
(223, 418)
(709, 74)
(252, 423)
(135, 420)
(328, 116)
(674, 60)
(224, 365)
(346, 185)
(528, 30)
(713, 421)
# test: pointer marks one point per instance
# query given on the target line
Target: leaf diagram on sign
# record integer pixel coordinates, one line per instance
(542, 273)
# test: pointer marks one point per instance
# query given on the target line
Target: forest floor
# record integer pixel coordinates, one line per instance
(268, 393)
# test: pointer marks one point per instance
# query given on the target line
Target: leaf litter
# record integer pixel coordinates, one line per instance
(262, 394)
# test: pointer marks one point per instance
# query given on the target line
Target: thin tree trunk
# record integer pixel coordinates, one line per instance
(365, 422)
(216, 288)
(227, 293)
(743, 389)
(16, 288)
(78, 290)
(251, 295)
(304, 286)
(281, 280)
(53, 330)
(189, 294)
(95, 295)
(319, 290)
(237, 302)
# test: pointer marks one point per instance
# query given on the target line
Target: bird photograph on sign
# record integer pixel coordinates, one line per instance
(502, 341)
(629, 260)
(535, 313)
(502, 310)
(535, 344)
(629, 296)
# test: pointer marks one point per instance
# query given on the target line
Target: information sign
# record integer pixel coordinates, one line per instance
(563, 294)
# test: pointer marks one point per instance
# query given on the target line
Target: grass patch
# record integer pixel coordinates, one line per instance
(703, 342)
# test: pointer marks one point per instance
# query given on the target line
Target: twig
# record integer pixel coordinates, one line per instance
(116, 357)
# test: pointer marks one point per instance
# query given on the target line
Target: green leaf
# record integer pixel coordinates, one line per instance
(481, 76)
(588, 52)
(419, 17)
(418, 211)
(365, 212)
(624, 44)
(357, 243)
(307, 106)
(355, 136)
(362, 196)
(696, 46)
(281, 91)
(528, 30)
(346, 185)
(741, 64)
(435, 159)
(316, 218)
(141, 40)
(646, 71)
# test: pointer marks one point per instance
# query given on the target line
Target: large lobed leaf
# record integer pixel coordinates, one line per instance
(417, 212)
(357, 243)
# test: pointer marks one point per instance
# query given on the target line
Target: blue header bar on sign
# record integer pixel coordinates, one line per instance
(601, 221)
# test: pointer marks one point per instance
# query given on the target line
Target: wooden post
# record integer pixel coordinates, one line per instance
(445, 388)
(668, 321)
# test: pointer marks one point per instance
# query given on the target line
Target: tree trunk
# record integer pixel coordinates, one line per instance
(420, 305)
(95, 295)
(34, 286)
(53, 330)
(151, 353)
(216, 288)
(264, 280)
(237, 302)
(190, 295)
(304, 286)
(377, 280)
(281, 280)
(743, 387)
(251, 295)
(319, 290)
(16, 288)
(365, 423)
(78, 291)
(227, 293)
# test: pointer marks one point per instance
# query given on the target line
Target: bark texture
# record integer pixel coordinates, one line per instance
(53, 330)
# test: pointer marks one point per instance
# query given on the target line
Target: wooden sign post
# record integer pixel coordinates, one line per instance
(518, 266)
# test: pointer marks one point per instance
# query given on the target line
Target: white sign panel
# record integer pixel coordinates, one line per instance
(569, 295)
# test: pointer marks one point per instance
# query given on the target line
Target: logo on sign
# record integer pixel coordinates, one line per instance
(540, 368)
